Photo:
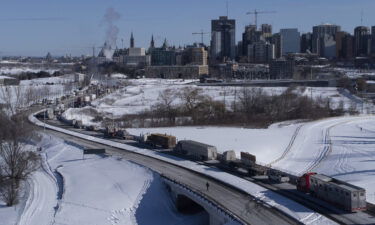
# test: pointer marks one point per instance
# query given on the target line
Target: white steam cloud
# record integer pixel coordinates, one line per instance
(110, 17)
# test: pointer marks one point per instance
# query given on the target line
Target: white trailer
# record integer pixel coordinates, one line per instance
(198, 150)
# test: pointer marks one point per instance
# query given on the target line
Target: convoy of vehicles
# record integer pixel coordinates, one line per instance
(341, 194)
(344, 195)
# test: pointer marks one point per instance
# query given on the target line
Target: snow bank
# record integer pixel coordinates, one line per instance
(79, 114)
(95, 190)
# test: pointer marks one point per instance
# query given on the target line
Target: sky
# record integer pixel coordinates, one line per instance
(35, 27)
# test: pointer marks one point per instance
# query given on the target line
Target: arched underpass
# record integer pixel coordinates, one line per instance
(189, 202)
(185, 205)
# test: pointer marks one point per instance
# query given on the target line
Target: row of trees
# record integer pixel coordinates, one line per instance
(34, 75)
(251, 107)
(16, 162)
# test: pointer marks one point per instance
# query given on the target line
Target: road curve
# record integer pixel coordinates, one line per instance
(241, 205)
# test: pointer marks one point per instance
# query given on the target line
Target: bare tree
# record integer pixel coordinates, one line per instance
(8, 191)
(12, 97)
(165, 105)
(16, 162)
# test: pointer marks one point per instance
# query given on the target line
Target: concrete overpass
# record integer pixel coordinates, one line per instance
(187, 201)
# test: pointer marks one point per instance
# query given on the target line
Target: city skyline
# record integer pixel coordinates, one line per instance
(73, 28)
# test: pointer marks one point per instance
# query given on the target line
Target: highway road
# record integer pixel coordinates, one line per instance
(238, 203)
(241, 205)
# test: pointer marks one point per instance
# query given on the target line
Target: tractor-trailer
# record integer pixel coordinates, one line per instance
(196, 149)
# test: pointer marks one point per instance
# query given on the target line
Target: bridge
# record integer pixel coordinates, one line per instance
(237, 204)
(188, 201)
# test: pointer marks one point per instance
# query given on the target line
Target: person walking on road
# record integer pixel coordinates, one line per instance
(207, 185)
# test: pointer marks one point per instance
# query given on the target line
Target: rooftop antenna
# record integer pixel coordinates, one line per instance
(362, 17)
(227, 9)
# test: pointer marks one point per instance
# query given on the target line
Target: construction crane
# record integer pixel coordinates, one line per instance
(255, 13)
(202, 33)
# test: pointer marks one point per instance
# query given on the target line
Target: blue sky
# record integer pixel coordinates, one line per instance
(35, 27)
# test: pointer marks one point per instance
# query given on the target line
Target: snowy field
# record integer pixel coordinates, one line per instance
(96, 190)
(254, 141)
(341, 147)
(294, 148)
(141, 94)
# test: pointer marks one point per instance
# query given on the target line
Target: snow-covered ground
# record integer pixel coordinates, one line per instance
(355, 73)
(254, 141)
(339, 147)
(31, 91)
(294, 148)
(95, 190)
(141, 94)
(290, 207)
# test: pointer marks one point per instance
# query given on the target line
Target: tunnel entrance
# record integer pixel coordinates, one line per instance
(187, 206)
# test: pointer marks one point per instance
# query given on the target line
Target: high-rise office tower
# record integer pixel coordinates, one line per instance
(276, 40)
(373, 40)
(223, 43)
(306, 42)
(348, 46)
(266, 30)
(339, 38)
(361, 41)
(249, 36)
(290, 41)
(261, 52)
(320, 34)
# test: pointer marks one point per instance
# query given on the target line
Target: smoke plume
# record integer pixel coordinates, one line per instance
(110, 17)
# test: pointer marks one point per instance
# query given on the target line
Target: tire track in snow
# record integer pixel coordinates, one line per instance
(39, 200)
(327, 141)
(288, 148)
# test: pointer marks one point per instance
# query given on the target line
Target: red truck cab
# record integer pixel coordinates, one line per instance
(303, 183)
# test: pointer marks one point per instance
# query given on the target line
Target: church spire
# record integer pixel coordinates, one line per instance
(165, 44)
(152, 45)
(132, 41)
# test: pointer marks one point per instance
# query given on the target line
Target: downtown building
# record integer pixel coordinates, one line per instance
(261, 52)
(223, 43)
(362, 41)
(171, 63)
(323, 40)
(290, 41)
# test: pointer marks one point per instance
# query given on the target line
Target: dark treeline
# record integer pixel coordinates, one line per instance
(252, 107)
(41, 74)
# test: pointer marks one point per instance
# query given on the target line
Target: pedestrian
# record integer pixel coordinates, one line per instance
(207, 185)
